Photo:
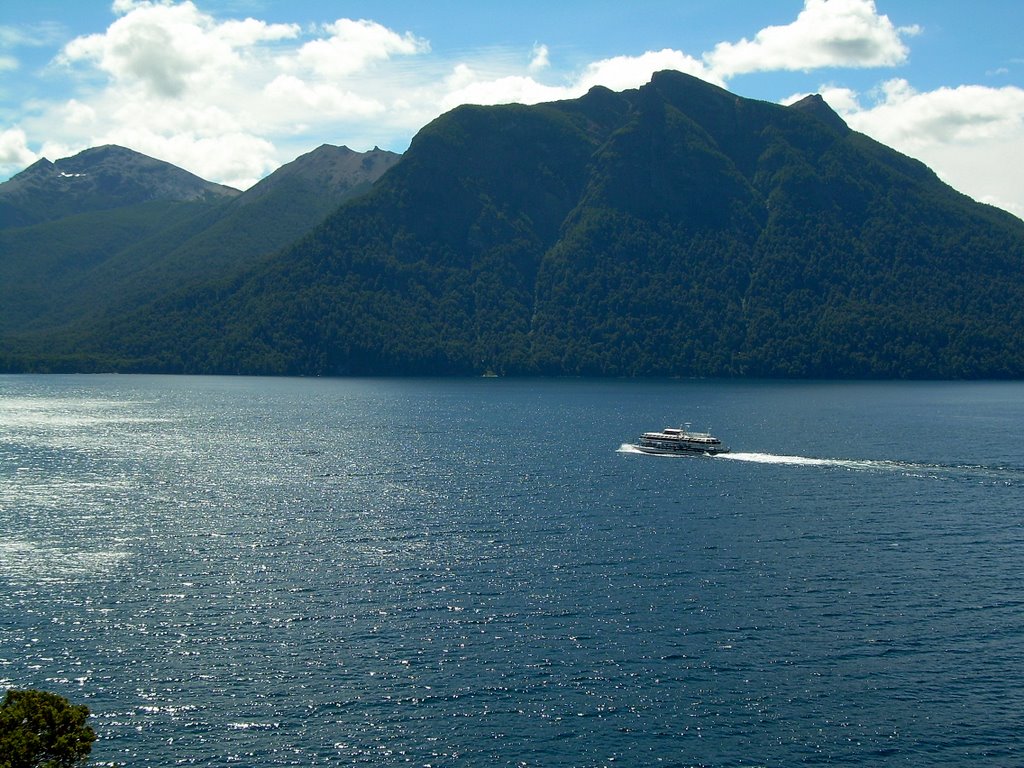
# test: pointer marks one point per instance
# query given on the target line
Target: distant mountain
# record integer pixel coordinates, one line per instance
(672, 230)
(170, 232)
(329, 174)
(281, 208)
(95, 180)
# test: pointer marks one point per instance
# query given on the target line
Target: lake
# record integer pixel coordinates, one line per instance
(428, 572)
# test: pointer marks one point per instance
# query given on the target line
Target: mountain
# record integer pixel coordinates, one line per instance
(281, 208)
(672, 230)
(172, 232)
(328, 174)
(98, 179)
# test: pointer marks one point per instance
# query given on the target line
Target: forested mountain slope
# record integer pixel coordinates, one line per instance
(115, 252)
(677, 229)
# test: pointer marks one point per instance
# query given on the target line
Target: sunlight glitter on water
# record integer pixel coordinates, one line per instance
(25, 562)
(50, 412)
(290, 572)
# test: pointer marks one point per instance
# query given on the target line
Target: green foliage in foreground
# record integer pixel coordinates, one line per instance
(39, 729)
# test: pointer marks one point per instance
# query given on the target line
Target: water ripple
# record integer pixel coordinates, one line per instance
(255, 572)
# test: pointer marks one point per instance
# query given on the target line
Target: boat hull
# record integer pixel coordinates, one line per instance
(680, 450)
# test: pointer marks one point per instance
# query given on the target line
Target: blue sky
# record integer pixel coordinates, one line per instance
(232, 89)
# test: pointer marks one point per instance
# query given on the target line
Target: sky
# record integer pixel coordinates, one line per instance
(232, 89)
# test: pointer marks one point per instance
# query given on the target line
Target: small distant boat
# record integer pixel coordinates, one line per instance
(680, 441)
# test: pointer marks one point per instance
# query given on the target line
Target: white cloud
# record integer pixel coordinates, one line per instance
(288, 92)
(14, 151)
(968, 114)
(466, 86)
(166, 50)
(30, 36)
(352, 46)
(971, 135)
(126, 6)
(236, 159)
(621, 72)
(157, 48)
(213, 96)
(10, 36)
(8, 64)
(541, 59)
(826, 33)
(251, 31)
(76, 113)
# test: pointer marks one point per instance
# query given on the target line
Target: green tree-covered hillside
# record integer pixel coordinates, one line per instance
(675, 230)
(157, 236)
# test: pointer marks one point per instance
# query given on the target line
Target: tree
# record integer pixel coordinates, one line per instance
(39, 729)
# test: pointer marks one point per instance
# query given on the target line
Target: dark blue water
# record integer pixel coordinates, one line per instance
(465, 573)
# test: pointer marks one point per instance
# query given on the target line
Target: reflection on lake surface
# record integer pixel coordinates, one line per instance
(481, 572)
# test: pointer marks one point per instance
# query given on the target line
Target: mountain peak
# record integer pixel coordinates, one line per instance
(336, 173)
(99, 178)
(816, 106)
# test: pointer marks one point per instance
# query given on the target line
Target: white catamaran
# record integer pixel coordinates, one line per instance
(680, 441)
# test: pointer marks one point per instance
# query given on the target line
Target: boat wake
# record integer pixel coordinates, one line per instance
(807, 461)
(770, 458)
(767, 458)
(979, 473)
